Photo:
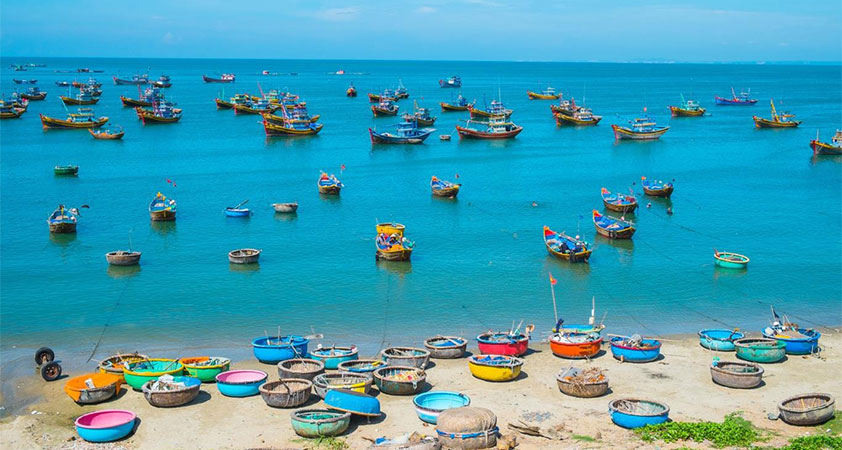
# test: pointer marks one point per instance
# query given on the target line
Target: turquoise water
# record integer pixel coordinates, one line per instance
(480, 260)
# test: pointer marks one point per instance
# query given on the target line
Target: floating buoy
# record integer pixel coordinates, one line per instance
(445, 137)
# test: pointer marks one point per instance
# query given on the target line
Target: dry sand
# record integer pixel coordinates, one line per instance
(681, 379)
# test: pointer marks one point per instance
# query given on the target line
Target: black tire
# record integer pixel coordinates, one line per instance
(51, 371)
(44, 355)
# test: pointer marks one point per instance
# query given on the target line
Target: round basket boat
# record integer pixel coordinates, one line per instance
(446, 347)
(467, 428)
(760, 350)
(287, 392)
(399, 380)
(576, 382)
(636, 413)
(205, 368)
(274, 349)
(738, 375)
(429, 405)
(315, 423)
(406, 356)
(572, 345)
(495, 367)
(123, 258)
(240, 383)
(720, 340)
(305, 369)
(106, 425)
(353, 402)
(170, 393)
(332, 356)
(361, 365)
(105, 386)
(502, 343)
(355, 382)
(138, 373)
(117, 363)
(807, 409)
(244, 256)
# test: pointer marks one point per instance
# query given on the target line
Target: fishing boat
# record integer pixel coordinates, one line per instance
(83, 97)
(730, 260)
(406, 132)
(17, 81)
(785, 120)
(105, 425)
(566, 107)
(452, 82)
(391, 244)
(496, 108)
(405, 356)
(634, 413)
(260, 106)
(163, 81)
(9, 111)
(495, 367)
(138, 373)
(33, 93)
(587, 383)
(399, 380)
(639, 129)
(161, 112)
(807, 409)
(329, 184)
(162, 208)
(580, 117)
(401, 92)
(503, 343)
(63, 220)
(285, 208)
(291, 127)
(823, 148)
(760, 350)
(497, 127)
(222, 104)
(799, 341)
(320, 423)
(224, 78)
(442, 188)
(421, 115)
(351, 91)
(384, 108)
(545, 94)
(565, 247)
(66, 170)
(635, 349)
(240, 383)
(123, 258)
(735, 374)
(688, 108)
(136, 79)
(238, 210)
(286, 393)
(92, 388)
(91, 82)
(656, 188)
(429, 405)
(244, 256)
(720, 340)
(446, 347)
(107, 133)
(618, 202)
(62, 83)
(145, 98)
(743, 99)
(333, 355)
(83, 118)
(572, 345)
(460, 104)
(612, 228)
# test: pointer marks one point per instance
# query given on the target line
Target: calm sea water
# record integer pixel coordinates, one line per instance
(480, 261)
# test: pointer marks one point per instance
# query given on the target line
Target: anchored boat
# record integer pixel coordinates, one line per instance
(580, 117)
(799, 341)
(351, 91)
(656, 188)
(83, 118)
(618, 202)
(823, 148)
(639, 129)
(573, 345)
(224, 78)
(688, 108)
(565, 247)
(391, 244)
(497, 127)
(161, 112)
(785, 120)
(329, 184)
(545, 94)
(452, 82)
(136, 79)
(460, 104)
(107, 133)
(494, 109)
(421, 115)
(612, 228)
(162, 208)
(63, 220)
(33, 93)
(743, 99)
(443, 188)
(406, 132)
(83, 97)
(730, 260)
(384, 108)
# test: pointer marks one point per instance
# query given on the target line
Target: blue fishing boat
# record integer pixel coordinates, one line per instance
(429, 405)
(635, 349)
(494, 109)
(17, 81)
(350, 401)
(162, 208)
(136, 79)
(618, 202)
(333, 356)
(612, 228)
(401, 92)
(274, 349)
(656, 188)
(452, 82)
(799, 341)
(636, 413)
(63, 220)
(744, 99)
(730, 260)
(566, 247)
(720, 340)
(237, 211)
(329, 184)
(406, 132)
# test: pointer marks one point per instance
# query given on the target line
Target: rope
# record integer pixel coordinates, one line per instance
(110, 316)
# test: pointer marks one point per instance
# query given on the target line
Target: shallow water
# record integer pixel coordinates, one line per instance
(480, 261)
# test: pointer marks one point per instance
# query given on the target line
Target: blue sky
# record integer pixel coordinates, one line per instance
(534, 30)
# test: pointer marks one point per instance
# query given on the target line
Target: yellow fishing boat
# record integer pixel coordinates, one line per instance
(391, 244)
(495, 367)
(785, 120)
(547, 94)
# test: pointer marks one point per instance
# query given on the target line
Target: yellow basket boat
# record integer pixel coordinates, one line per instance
(495, 367)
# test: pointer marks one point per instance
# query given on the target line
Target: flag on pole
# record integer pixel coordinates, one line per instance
(552, 280)
(342, 167)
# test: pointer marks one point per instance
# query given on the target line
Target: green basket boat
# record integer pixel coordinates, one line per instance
(206, 368)
(66, 170)
(138, 373)
(760, 350)
(730, 260)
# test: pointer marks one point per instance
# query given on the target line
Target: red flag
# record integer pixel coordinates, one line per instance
(552, 280)
(169, 181)
(644, 109)
(343, 167)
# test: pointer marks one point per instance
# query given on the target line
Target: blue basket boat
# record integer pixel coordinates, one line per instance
(799, 341)
(720, 340)
(634, 349)
(333, 356)
(429, 405)
(274, 349)
(356, 403)
(636, 413)
(240, 383)
(106, 425)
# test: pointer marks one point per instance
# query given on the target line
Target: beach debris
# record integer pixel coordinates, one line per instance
(536, 416)
(557, 432)
(506, 442)
(581, 378)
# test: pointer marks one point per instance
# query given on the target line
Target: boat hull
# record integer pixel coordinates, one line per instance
(133, 103)
(821, 148)
(632, 421)
(676, 111)
(760, 122)
(106, 136)
(285, 208)
(329, 190)
(483, 114)
(564, 119)
(40, 96)
(737, 375)
(377, 111)
(665, 192)
(468, 133)
(70, 170)
(272, 129)
(162, 216)
(123, 258)
(760, 350)
(208, 79)
(733, 102)
(512, 347)
(625, 353)
(149, 118)
(382, 138)
(628, 209)
(449, 192)
(13, 114)
(798, 346)
(52, 123)
(222, 104)
(539, 96)
(497, 373)
(121, 82)
(394, 255)
(721, 260)
(578, 350)
(622, 133)
(63, 227)
(719, 340)
(448, 107)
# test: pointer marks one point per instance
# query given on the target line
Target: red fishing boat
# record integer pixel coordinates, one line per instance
(503, 343)
(496, 128)
(351, 91)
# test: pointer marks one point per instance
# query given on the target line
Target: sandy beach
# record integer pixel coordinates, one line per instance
(681, 379)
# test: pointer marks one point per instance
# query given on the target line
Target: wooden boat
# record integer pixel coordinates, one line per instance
(571, 345)
(320, 423)
(115, 364)
(107, 134)
(429, 405)
(799, 341)
(738, 375)
(399, 380)
(405, 356)
(63, 220)
(460, 104)
(760, 350)
(106, 425)
(90, 83)
(744, 99)
(123, 258)
(639, 129)
(785, 120)
(261, 106)
(688, 108)
(469, 428)
(329, 184)
(360, 365)
(565, 247)
(82, 98)
(292, 128)
(169, 392)
(163, 81)
(730, 260)
(391, 244)
(719, 340)
(244, 256)
(566, 107)
(422, 116)
(332, 356)
(34, 93)
(401, 92)
(286, 393)
(62, 83)
(161, 113)
(222, 104)
(384, 108)
(8, 111)
(406, 132)
(497, 127)
(634, 413)
(807, 409)
(580, 117)
(442, 188)
(656, 188)
(495, 367)
(546, 94)
(356, 382)
(495, 109)
(298, 114)
(224, 78)
(138, 373)
(92, 388)
(823, 148)
(305, 369)
(285, 208)
(588, 383)
(446, 347)
(66, 170)
(351, 91)
(452, 82)
(205, 368)
(17, 81)
(503, 343)
(635, 349)
(618, 202)
(612, 228)
(136, 79)
(386, 95)
(161, 208)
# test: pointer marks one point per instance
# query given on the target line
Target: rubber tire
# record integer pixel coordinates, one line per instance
(44, 355)
(51, 371)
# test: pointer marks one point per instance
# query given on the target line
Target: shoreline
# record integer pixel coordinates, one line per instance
(680, 378)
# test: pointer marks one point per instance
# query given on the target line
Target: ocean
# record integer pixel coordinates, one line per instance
(480, 261)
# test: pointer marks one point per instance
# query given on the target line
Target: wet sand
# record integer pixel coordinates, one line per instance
(681, 379)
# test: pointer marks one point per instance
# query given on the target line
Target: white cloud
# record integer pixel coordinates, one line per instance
(338, 14)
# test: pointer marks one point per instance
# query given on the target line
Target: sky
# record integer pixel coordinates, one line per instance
(485, 30)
